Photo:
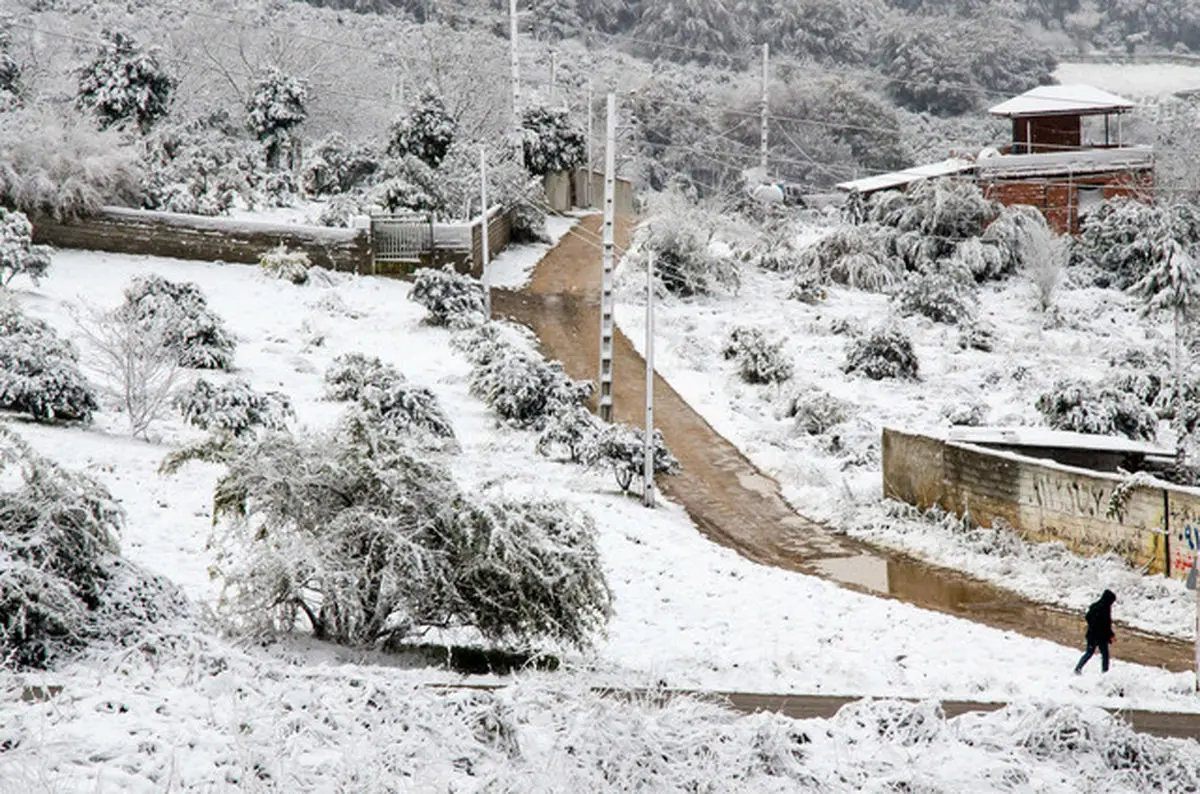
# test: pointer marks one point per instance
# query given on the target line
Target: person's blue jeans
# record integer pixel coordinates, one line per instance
(1091, 649)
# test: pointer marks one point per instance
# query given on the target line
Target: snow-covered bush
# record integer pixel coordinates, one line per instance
(124, 84)
(939, 296)
(407, 184)
(759, 360)
(334, 166)
(1123, 238)
(807, 287)
(39, 371)
(10, 76)
(350, 374)
(528, 223)
(452, 299)
(18, 255)
(57, 165)
(684, 264)
(550, 141)
(1096, 408)
(775, 247)
(526, 390)
(885, 353)
(1022, 239)
(277, 104)
(234, 408)
(284, 264)
(856, 256)
(426, 133)
(573, 429)
(1045, 262)
(367, 541)
(816, 411)
(199, 167)
(386, 396)
(966, 414)
(976, 335)
(941, 209)
(197, 333)
(621, 450)
(340, 210)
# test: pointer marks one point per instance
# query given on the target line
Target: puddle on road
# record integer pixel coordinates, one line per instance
(734, 504)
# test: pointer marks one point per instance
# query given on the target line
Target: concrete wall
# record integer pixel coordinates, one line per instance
(1159, 527)
(127, 231)
(568, 189)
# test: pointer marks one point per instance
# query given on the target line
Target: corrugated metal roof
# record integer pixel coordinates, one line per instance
(1050, 100)
(871, 184)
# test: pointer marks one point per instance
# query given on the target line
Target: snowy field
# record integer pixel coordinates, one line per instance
(1133, 80)
(835, 476)
(201, 713)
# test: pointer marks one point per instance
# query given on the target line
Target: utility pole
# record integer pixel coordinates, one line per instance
(516, 78)
(483, 234)
(764, 107)
(648, 465)
(605, 399)
(553, 63)
(587, 183)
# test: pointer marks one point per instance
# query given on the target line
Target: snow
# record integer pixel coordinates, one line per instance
(1053, 99)
(1069, 162)
(689, 614)
(951, 166)
(1134, 79)
(513, 267)
(1059, 439)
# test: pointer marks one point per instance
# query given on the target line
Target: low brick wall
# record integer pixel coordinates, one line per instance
(1157, 527)
(126, 231)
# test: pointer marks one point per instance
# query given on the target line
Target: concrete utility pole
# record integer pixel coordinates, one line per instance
(483, 235)
(605, 398)
(553, 63)
(764, 109)
(516, 78)
(648, 465)
(587, 183)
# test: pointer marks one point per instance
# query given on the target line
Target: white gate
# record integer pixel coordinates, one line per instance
(401, 238)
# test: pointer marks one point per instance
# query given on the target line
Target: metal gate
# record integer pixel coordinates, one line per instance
(401, 238)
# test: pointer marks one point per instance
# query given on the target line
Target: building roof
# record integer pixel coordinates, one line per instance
(1044, 438)
(895, 179)
(1058, 100)
(1082, 161)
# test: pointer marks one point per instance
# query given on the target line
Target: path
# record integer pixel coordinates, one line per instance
(735, 504)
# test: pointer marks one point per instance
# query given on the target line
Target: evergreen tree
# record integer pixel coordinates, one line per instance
(425, 133)
(10, 76)
(550, 141)
(124, 84)
(276, 106)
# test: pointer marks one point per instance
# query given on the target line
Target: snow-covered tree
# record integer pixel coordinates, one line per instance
(200, 167)
(573, 430)
(125, 84)
(759, 359)
(409, 184)
(366, 541)
(10, 76)
(679, 235)
(815, 411)
(234, 408)
(885, 353)
(197, 333)
(550, 141)
(18, 255)
(524, 389)
(452, 299)
(426, 132)
(622, 450)
(278, 104)
(39, 371)
(1125, 239)
(334, 166)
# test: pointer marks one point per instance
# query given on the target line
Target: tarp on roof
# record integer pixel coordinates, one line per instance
(895, 179)
(1050, 100)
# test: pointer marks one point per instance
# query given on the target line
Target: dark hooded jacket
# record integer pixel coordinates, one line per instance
(1099, 619)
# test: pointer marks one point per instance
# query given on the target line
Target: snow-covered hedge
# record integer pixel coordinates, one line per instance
(885, 353)
(759, 360)
(523, 388)
(233, 408)
(18, 255)
(1097, 408)
(621, 450)
(939, 296)
(199, 334)
(359, 536)
(350, 374)
(39, 371)
(452, 299)
(386, 396)
(285, 264)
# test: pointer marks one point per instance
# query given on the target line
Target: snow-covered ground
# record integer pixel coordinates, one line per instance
(513, 267)
(1133, 80)
(835, 477)
(688, 613)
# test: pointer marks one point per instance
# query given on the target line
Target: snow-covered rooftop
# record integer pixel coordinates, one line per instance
(1049, 100)
(1053, 439)
(1074, 162)
(870, 184)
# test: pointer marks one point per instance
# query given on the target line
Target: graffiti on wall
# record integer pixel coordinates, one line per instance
(1065, 495)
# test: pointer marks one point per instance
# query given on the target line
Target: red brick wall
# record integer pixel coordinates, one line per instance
(1048, 133)
(1058, 199)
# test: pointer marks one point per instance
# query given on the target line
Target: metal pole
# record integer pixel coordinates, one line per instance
(483, 234)
(766, 78)
(1196, 569)
(648, 466)
(605, 400)
(590, 125)
(516, 80)
(553, 63)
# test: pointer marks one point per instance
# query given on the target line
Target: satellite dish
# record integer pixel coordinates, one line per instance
(987, 152)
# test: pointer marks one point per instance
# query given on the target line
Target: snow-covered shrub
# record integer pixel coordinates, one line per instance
(124, 84)
(350, 374)
(976, 335)
(200, 167)
(1045, 262)
(775, 247)
(526, 390)
(622, 450)
(684, 264)
(759, 360)
(452, 299)
(1123, 238)
(409, 185)
(1096, 408)
(18, 255)
(573, 429)
(426, 133)
(816, 411)
(885, 353)
(367, 541)
(807, 287)
(334, 166)
(974, 258)
(528, 223)
(856, 256)
(939, 296)
(276, 105)
(39, 371)
(284, 264)
(340, 210)
(197, 333)
(1021, 237)
(57, 165)
(550, 141)
(10, 76)
(941, 209)
(233, 408)
(966, 414)
(386, 396)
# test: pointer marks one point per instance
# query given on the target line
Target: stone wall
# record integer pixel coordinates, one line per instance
(1156, 527)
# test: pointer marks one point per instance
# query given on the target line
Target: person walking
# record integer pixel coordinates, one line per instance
(1099, 631)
